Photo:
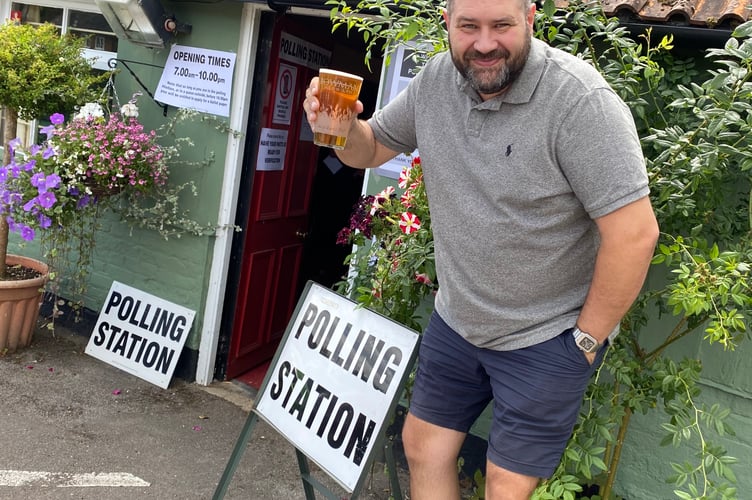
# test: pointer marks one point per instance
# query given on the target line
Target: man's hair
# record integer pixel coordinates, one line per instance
(524, 3)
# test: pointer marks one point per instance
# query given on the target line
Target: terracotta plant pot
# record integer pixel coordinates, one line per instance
(19, 305)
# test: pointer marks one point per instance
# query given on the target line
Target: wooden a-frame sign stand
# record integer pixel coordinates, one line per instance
(310, 483)
(335, 379)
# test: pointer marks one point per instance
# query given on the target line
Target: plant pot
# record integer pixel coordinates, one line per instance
(19, 304)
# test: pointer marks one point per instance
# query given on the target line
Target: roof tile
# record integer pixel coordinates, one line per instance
(725, 14)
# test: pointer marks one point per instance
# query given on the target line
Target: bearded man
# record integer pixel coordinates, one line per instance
(543, 233)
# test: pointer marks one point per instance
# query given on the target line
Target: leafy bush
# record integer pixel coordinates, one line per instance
(695, 131)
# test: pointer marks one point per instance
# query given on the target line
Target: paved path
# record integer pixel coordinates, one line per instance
(73, 427)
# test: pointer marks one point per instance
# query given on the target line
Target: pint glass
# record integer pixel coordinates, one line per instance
(338, 92)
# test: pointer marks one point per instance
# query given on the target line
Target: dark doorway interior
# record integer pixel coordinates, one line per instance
(334, 190)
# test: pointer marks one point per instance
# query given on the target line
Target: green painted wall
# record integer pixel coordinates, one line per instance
(726, 381)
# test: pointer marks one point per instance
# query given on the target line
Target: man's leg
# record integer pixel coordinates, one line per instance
(537, 396)
(432, 453)
(502, 484)
(450, 390)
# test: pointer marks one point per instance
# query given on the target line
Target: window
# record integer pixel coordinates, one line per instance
(101, 42)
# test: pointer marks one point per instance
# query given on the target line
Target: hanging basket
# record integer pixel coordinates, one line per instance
(19, 304)
(100, 191)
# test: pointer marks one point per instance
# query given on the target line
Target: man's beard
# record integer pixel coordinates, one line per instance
(492, 80)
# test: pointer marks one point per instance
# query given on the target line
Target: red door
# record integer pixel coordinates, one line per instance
(278, 214)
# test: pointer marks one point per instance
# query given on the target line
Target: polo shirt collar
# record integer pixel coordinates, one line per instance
(522, 89)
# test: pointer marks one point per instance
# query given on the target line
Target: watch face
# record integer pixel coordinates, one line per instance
(586, 344)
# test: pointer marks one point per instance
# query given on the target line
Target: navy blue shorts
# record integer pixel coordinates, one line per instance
(537, 393)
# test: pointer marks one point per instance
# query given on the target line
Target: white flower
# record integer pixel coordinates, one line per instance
(90, 110)
(129, 110)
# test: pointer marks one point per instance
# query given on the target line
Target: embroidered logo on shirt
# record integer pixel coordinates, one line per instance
(509, 150)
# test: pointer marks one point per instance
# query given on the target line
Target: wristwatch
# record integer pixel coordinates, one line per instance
(585, 341)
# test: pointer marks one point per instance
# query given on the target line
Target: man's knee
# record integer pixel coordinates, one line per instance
(413, 438)
(503, 484)
(425, 442)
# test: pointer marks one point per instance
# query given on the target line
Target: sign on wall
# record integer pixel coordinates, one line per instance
(396, 78)
(196, 78)
(272, 149)
(283, 99)
(338, 372)
(140, 333)
(302, 52)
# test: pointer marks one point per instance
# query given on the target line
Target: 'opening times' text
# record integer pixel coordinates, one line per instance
(208, 75)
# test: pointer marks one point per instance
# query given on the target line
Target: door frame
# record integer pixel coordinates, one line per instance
(211, 359)
(221, 264)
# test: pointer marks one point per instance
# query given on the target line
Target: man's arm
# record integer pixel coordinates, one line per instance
(628, 237)
(362, 150)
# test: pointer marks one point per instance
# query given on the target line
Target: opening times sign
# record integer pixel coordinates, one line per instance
(195, 78)
(338, 372)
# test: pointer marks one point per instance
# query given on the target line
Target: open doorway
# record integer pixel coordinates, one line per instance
(291, 214)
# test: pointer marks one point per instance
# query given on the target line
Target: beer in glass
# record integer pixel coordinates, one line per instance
(338, 92)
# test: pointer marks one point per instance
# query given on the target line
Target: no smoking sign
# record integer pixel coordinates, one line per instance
(283, 101)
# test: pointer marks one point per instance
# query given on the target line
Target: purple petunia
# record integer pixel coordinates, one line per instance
(44, 221)
(29, 205)
(27, 233)
(13, 145)
(49, 130)
(83, 201)
(47, 199)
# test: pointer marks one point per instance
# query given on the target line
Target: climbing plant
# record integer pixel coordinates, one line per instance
(694, 119)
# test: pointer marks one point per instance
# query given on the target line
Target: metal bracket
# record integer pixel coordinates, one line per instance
(112, 63)
(279, 9)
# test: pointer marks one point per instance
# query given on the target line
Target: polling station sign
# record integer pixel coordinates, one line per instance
(337, 374)
(140, 333)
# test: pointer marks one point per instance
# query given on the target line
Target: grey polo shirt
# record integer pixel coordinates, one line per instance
(514, 184)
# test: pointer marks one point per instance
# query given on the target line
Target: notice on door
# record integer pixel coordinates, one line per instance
(195, 78)
(283, 100)
(141, 334)
(272, 149)
(337, 374)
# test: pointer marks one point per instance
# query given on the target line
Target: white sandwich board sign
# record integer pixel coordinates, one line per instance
(140, 333)
(337, 375)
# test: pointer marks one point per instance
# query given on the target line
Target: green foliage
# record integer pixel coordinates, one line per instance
(386, 24)
(393, 263)
(161, 209)
(41, 72)
(69, 250)
(695, 131)
(695, 138)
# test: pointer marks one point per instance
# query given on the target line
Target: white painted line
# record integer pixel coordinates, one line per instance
(67, 480)
(21, 477)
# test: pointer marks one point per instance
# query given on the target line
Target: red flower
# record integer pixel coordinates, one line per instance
(380, 198)
(404, 177)
(409, 223)
(406, 199)
(423, 279)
